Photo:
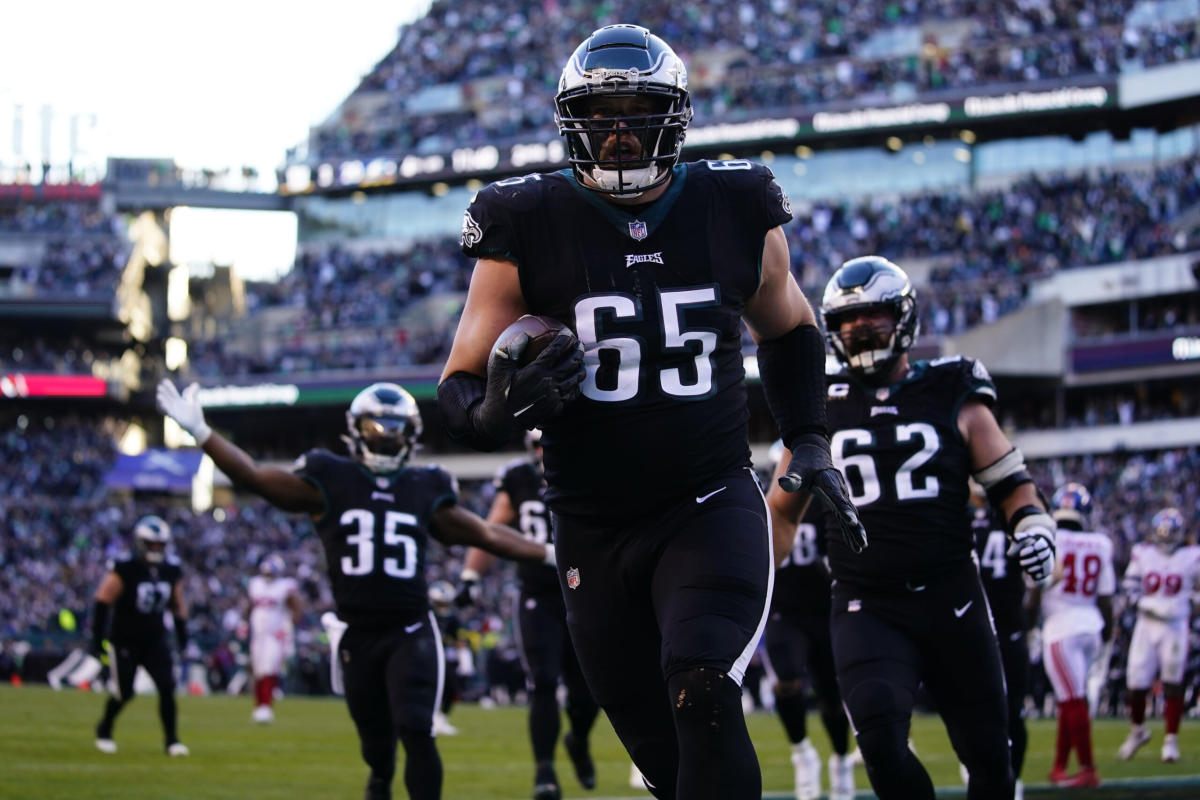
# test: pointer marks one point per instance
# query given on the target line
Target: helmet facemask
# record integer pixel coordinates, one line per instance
(625, 143)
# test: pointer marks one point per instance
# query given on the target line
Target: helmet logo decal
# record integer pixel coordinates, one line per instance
(638, 230)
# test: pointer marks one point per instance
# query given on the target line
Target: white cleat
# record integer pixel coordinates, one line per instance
(1138, 736)
(807, 765)
(1170, 748)
(841, 777)
(263, 715)
(635, 778)
(442, 726)
(106, 746)
(178, 750)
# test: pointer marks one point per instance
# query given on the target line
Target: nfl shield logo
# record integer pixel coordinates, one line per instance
(573, 578)
(637, 229)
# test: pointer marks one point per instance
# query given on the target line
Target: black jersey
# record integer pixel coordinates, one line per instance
(522, 480)
(907, 466)
(655, 294)
(1003, 580)
(145, 595)
(802, 581)
(375, 531)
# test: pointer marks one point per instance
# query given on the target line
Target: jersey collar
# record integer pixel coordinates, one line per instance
(625, 222)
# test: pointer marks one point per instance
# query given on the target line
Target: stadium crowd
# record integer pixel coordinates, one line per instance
(984, 248)
(479, 73)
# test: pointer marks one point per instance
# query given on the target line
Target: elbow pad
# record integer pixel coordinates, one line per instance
(1001, 478)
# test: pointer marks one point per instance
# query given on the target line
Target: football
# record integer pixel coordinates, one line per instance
(541, 332)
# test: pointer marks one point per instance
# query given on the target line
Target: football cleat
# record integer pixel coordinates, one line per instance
(178, 750)
(547, 791)
(442, 726)
(1138, 736)
(263, 715)
(1086, 778)
(106, 746)
(1058, 775)
(806, 764)
(841, 777)
(581, 760)
(1170, 748)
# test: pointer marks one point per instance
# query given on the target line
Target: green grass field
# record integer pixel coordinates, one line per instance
(311, 751)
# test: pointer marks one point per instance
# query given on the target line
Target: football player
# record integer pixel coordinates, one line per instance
(1004, 585)
(274, 608)
(541, 629)
(1077, 618)
(911, 608)
(374, 514)
(128, 628)
(800, 656)
(441, 600)
(1161, 579)
(664, 541)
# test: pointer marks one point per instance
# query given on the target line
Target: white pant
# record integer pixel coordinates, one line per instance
(1067, 662)
(268, 654)
(1157, 647)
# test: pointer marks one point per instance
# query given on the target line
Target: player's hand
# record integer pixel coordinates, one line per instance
(811, 470)
(1033, 547)
(523, 398)
(469, 593)
(184, 409)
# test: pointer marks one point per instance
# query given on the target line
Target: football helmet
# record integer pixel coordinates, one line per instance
(866, 284)
(384, 425)
(150, 536)
(272, 566)
(1071, 504)
(623, 148)
(441, 596)
(1167, 528)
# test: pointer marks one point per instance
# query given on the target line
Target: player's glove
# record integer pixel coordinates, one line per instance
(469, 590)
(811, 469)
(1033, 543)
(523, 398)
(184, 409)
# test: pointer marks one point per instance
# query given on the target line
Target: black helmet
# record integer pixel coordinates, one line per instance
(863, 284)
(623, 61)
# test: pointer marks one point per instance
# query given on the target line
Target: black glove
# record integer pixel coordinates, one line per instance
(523, 398)
(468, 594)
(811, 469)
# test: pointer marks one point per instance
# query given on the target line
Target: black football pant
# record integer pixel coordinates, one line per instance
(394, 680)
(547, 655)
(1014, 655)
(665, 612)
(124, 660)
(800, 654)
(886, 644)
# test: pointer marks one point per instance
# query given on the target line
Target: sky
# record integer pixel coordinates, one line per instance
(212, 85)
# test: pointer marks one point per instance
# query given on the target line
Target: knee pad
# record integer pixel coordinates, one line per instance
(703, 691)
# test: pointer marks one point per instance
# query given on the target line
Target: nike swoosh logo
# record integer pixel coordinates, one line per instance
(958, 612)
(523, 410)
(413, 628)
(710, 494)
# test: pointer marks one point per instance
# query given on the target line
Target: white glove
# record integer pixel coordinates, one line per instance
(184, 409)
(550, 558)
(1033, 545)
